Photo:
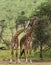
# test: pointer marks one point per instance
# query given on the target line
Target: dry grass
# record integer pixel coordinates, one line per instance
(23, 63)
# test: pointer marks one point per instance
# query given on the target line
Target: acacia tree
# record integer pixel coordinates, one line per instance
(40, 34)
(42, 30)
(22, 19)
(2, 28)
(2, 25)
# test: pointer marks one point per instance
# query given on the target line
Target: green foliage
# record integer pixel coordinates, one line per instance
(17, 12)
(40, 29)
(6, 54)
(21, 19)
(42, 32)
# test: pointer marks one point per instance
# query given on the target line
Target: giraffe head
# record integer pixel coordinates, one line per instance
(33, 20)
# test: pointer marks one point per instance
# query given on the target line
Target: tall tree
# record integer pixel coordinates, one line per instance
(2, 28)
(42, 29)
(22, 19)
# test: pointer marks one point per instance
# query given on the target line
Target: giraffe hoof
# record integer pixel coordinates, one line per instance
(26, 62)
(19, 62)
(16, 62)
(10, 61)
(30, 61)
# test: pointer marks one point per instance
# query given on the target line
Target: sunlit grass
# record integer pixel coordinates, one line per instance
(6, 54)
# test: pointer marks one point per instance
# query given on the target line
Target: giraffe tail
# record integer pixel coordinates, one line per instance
(21, 53)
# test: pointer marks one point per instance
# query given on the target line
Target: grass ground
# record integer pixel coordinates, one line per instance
(23, 63)
(5, 55)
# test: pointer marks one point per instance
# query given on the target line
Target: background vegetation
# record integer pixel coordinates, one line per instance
(14, 14)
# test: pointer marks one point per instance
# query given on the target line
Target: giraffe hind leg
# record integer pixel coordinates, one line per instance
(17, 56)
(26, 55)
(30, 51)
(12, 52)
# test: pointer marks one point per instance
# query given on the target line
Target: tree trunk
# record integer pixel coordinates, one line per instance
(41, 55)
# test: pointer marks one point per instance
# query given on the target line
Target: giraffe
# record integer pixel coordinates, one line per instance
(26, 40)
(14, 43)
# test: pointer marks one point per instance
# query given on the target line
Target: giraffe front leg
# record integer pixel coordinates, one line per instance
(30, 51)
(26, 54)
(12, 53)
(17, 56)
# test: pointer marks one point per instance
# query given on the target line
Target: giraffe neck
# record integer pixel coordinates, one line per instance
(30, 31)
(19, 32)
